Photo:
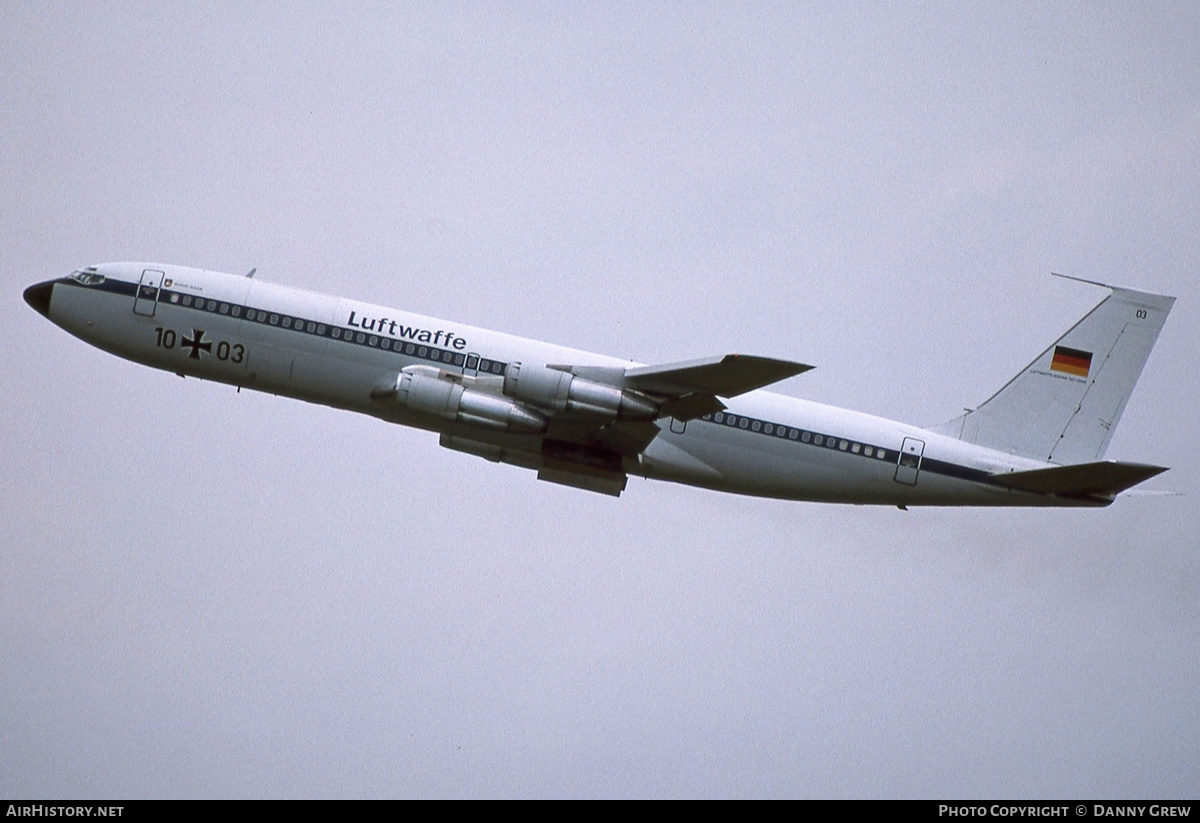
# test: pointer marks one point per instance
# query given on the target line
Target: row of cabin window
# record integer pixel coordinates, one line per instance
(424, 352)
(828, 441)
(211, 305)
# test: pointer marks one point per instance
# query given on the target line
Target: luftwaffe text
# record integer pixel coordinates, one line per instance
(392, 328)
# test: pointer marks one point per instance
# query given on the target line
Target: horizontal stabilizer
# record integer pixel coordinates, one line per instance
(1105, 479)
(726, 376)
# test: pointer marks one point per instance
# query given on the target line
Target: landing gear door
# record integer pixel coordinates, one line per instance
(909, 463)
(147, 293)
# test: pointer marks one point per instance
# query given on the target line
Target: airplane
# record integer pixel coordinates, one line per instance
(589, 421)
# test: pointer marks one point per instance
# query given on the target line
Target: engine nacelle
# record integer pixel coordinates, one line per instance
(563, 391)
(420, 389)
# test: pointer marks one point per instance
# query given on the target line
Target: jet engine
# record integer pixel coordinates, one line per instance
(564, 392)
(422, 390)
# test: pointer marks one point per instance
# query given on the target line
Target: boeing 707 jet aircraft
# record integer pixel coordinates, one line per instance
(589, 421)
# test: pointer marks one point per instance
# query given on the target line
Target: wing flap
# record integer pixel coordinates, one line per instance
(1106, 478)
(593, 481)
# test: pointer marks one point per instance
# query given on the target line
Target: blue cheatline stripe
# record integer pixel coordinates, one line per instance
(845, 445)
(300, 325)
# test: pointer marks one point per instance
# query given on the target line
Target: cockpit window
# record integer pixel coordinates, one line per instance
(88, 278)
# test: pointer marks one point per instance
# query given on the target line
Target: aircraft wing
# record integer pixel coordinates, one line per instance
(685, 391)
(690, 389)
(596, 417)
(726, 376)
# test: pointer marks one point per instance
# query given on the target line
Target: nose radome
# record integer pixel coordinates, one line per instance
(39, 297)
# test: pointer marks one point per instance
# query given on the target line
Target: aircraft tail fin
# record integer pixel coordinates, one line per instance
(1064, 406)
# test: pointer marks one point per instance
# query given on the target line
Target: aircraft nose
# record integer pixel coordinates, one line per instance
(39, 297)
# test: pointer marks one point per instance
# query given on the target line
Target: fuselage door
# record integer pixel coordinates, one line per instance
(147, 292)
(471, 367)
(909, 463)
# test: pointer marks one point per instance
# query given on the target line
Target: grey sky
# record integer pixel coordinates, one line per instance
(205, 593)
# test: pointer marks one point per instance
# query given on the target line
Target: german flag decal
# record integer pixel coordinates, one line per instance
(1071, 361)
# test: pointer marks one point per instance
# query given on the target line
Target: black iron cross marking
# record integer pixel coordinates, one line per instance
(196, 343)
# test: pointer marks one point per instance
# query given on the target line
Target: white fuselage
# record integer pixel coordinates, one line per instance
(335, 351)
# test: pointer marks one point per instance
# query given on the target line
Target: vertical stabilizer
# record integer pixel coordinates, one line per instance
(1064, 407)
